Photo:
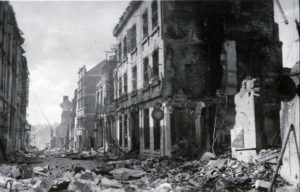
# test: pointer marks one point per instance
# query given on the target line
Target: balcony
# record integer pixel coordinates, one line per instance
(154, 81)
(146, 86)
(133, 93)
(124, 97)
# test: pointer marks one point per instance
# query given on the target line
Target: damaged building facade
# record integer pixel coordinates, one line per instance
(64, 128)
(105, 105)
(85, 107)
(180, 65)
(14, 83)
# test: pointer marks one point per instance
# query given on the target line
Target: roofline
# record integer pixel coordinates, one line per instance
(131, 8)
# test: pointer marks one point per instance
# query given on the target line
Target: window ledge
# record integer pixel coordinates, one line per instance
(133, 93)
(145, 40)
(155, 29)
(155, 82)
(146, 88)
(124, 59)
(133, 51)
(124, 97)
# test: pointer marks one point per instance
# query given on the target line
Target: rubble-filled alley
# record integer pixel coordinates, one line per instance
(167, 96)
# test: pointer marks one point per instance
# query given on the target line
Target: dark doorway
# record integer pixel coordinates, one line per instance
(146, 129)
(135, 131)
(125, 131)
(156, 135)
(92, 142)
(120, 130)
(182, 126)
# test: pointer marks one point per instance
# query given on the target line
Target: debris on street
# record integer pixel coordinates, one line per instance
(208, 173)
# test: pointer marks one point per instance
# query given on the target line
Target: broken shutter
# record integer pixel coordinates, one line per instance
(129, 36)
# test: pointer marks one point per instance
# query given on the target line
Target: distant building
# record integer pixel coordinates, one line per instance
(85, 110)
(105, 130)
(73, 115)
(64, 128)
(14, 83)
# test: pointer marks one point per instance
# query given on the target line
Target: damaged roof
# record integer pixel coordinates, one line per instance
(133, 5)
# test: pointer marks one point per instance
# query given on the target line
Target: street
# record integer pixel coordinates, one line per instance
(110, 173)
(150, 96)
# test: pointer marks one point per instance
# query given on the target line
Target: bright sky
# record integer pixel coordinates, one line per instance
(60, 37)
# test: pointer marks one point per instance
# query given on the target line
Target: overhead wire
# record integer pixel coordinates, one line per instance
(42, 111)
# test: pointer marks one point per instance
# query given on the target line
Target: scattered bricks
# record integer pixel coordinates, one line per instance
(182, 177)
(60, 185)
(165, 187)
(103, 170)
(219, 163)
(113, 190)
(5, 181)
(15, 172)
(19, 186)
(124, 173)
(78, 169)
(260, 184)
(83, 186)
(35, 184)
(110, 183)
(193, 183)
(26, 170)
(269, 157)
(88, 175)
(207, 156)
(212, 174)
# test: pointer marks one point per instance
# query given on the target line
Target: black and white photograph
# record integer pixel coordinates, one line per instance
(149, 96)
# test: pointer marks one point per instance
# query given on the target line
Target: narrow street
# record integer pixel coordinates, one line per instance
(150, 96)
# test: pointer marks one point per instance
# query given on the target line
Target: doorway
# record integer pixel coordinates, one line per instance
(135, 131)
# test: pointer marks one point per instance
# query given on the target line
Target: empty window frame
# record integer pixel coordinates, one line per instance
(133, 37)
(154, 9)
(125, 83)
(125, 131)
(134, 78)
(146, 71)
(124, 47)
(120, 130)
(146, 129)
(155, 57)
(120, 87)
(120, 52)
(145, 23)
(101, 96)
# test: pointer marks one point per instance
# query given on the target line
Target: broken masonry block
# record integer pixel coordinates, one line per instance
(244, 133)
(260, 184)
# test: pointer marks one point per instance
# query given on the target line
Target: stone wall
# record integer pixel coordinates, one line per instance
(194, 34)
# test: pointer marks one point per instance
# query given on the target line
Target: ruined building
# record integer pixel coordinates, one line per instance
(105, 105)
(180, 63)
(85, 108)
(14, 82)
(64, 128)
(71, 143)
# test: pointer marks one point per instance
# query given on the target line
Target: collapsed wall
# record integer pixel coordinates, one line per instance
(210, 47)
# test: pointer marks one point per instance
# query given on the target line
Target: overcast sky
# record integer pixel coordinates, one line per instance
(60, 37)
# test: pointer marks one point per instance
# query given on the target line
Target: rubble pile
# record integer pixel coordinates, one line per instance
(210, 173)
